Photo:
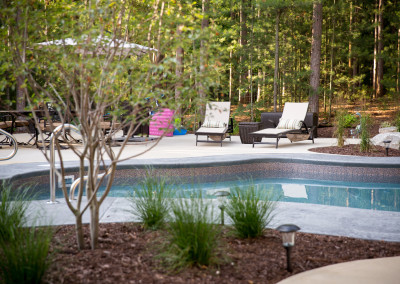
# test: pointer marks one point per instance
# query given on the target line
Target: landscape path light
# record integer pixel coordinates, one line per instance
(288, 232)
(387, 144)
(222, 196)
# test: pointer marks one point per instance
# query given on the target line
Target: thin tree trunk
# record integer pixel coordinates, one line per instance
(379, 71)
(230, 75)
(243, 44)
(251, 63)
(149, 33)
(159, 55)
(398, 64)
(94, 224)
(332, 61)
(20, 80)
(315, 57)
(79, 232)
(276, 72)
(375, 50)
(203, 53)
(259, 72)
(325, 63)
(350, 84)
(179, 69)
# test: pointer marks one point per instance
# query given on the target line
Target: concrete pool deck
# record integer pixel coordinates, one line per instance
(181, 150)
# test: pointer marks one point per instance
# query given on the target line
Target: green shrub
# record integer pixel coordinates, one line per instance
(150, 200)
(365, 125)
(385, 124)
(250, 211)
(24, 259)
(193, 238)
(350, 120)
(13, 206)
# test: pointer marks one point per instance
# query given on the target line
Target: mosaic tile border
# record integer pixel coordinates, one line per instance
(218, 173)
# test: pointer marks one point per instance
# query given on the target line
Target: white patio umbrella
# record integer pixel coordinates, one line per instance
(103, 44)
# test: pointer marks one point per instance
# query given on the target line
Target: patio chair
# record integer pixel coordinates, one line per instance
(216, 123)
(291, 125)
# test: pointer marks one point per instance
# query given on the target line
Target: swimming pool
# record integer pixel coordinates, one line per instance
(372, 196)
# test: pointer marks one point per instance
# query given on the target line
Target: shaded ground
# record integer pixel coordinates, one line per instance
(127, 253)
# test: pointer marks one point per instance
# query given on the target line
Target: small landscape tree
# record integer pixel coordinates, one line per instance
(89, 73)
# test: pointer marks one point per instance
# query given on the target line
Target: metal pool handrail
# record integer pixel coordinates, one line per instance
(78, 181)
(56, 132)
(14, 144)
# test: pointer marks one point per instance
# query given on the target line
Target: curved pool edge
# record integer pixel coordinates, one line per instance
(25, 170)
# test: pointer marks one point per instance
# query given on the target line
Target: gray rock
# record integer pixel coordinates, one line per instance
(392, 136)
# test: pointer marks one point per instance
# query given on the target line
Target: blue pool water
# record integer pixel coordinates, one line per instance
(377, 196)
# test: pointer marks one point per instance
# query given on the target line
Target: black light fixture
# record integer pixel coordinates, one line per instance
(387, 144)
(288, 237)
(222, 195)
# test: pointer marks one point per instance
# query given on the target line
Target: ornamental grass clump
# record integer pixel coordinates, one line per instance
(250, 210)
(365, 125)
(13, 206)
(193, 236)
(25, 258)
(397, 121)
(151, 200)
(340, 125)
(23, 250)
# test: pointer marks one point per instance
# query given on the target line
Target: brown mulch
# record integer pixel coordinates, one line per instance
(127, 254)
(352, 149)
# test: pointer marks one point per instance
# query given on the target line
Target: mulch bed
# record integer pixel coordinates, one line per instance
(127, 254)
(354, 150)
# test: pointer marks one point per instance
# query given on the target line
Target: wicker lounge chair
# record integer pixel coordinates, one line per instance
(291, 125)
(216, 123)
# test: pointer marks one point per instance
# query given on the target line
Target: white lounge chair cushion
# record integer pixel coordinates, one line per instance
(271, 131)
(215, 130)
(214, 124)
(289, 124)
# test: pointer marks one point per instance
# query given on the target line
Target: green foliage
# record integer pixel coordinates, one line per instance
(250, 211)
(385, 124)
(397, 121)
(194, 239)
(340, 122)
(350, 120)
(13, 206)
(23, 250)
(365, 143)
(150, 200)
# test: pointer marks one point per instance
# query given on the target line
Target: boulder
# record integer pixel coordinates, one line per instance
(387, 129)
(392, 136)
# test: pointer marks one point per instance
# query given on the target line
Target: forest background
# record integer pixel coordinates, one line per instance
(248, 51)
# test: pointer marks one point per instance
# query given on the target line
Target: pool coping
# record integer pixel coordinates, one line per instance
(26, 170)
